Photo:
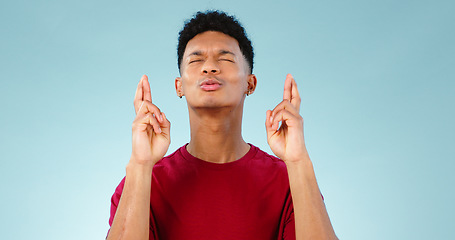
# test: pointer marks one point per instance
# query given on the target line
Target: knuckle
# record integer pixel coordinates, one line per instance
(150, 104)
(136, 120)
(134, 126)
(154, 121)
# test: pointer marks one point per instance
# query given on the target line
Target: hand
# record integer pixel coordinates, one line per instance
(151, 129)
(287, 141)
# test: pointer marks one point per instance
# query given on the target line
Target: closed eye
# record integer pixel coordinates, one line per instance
(196, 60)
(224, 59)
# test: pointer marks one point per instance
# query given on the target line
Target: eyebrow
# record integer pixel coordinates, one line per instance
(221, 52)
(195, 53)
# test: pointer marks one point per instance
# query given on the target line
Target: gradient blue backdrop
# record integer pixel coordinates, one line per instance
(376, 77)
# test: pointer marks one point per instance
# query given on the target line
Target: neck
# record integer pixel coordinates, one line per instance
(216, 134)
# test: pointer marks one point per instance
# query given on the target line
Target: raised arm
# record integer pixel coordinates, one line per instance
(287, 142)
(151, 140)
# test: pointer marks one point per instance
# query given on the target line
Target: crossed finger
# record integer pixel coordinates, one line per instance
(143, 93)
(151, 114)
(291, 93)
(284, 116)
(285, 105)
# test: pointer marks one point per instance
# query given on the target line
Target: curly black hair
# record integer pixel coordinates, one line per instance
(219, 21)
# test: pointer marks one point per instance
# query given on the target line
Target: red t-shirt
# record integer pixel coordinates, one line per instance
(194, 199)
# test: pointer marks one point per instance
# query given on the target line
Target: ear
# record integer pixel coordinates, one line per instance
(252, 82)
(178, 87)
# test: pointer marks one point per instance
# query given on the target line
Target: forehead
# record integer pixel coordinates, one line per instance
(212, 41)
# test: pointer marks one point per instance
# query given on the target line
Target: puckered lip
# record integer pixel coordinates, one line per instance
(209, 81)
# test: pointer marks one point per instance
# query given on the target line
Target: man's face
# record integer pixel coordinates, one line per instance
(214, 72)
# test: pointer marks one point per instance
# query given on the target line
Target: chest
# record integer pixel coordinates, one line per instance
(211, 204)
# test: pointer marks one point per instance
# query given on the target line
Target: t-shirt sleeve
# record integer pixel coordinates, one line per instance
(288, 219)
(115, 199)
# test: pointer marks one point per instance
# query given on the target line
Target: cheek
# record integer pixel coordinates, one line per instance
(241, 87)
(244, 80)
(186, 83)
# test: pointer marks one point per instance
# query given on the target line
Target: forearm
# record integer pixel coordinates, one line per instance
(132, 217)
(311, 217)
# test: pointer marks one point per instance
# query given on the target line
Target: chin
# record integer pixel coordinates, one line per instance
(211, 104)
(214, 104)
(214, 100)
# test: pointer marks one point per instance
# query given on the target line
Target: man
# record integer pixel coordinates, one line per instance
(218, 186)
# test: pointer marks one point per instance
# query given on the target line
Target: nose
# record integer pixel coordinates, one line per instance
(210, 67)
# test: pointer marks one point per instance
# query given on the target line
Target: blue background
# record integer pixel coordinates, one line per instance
(376, 78)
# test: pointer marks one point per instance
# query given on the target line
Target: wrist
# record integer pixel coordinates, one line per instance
(301, 162)
(298, 157)
(139, 168)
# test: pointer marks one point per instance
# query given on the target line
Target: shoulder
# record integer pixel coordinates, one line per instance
(165, 161)
(265, 158)
(162, 164)
(269, 164)
(171, 164)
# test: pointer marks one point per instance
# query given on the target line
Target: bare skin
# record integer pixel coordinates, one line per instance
(287, 142)
(151, 139)
(215, 80)
(215, 115)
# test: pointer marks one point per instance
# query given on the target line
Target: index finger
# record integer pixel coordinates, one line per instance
(291, 93)
(147, 93)
(138, 97)
(295, 96)
(287, 88)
